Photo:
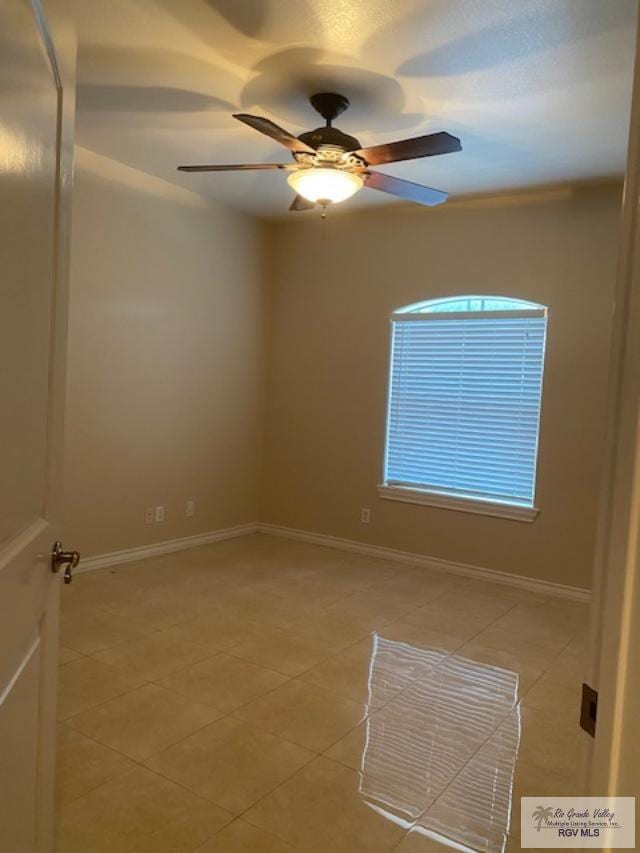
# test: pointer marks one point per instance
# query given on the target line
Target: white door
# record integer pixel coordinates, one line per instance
(36, 148)
(614, 760)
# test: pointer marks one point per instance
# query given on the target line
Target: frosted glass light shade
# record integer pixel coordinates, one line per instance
(321, 184)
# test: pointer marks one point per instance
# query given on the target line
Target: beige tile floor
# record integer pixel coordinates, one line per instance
(266, 696)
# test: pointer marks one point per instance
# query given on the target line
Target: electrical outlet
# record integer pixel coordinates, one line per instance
(365, 515)
(149, 515)
(159, 514)
(191, 508)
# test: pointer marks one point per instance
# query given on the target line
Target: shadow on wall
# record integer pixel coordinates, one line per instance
(151, 87)
(247, 18)
(475, 65)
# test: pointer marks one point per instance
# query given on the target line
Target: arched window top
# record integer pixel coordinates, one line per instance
(467, 304)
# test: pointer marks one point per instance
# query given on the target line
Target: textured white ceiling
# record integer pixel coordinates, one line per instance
(537, 90)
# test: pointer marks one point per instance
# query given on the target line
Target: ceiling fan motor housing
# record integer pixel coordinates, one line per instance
(330, 136)
(330, 105)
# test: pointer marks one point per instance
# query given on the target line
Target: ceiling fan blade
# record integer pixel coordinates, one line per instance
(410, 149)
(405, 189)
(302, 203)
(263, 125)
(237, 167)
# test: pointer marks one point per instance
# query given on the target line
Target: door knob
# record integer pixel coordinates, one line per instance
(60, 558)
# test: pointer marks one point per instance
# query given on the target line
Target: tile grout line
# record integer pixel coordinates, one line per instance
(287, 675)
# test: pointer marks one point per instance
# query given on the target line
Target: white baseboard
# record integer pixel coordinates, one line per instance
(377, 551)
(89, 564)
(559, 590)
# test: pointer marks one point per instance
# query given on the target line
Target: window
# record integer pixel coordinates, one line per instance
(464, 404)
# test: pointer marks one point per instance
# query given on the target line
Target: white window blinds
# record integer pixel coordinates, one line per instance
(464, 403)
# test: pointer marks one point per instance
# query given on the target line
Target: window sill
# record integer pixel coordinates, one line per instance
(477, 507)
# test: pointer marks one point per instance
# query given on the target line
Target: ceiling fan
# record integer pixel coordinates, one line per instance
(330, 166)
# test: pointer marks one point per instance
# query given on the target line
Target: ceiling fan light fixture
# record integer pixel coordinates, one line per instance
(325, 184)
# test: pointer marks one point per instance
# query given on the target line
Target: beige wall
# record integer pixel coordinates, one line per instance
(166, 359)
(334, 289)
(170, 314)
